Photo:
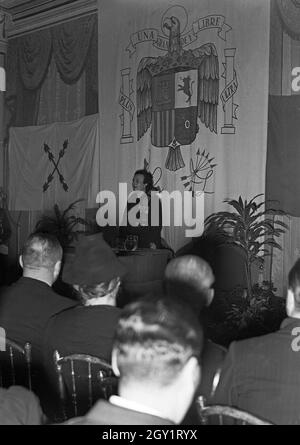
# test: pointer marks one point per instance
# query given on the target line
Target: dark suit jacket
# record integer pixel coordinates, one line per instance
(82, 330)
(262, 376)
(211, 362)
(105, 413)
(78, 330)
(25, 309)
(213, 356)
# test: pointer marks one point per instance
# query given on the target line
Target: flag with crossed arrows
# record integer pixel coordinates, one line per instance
(54, 164)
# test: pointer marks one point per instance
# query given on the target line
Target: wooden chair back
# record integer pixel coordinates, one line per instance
(15, 364)
(225, 415)
(82, 380)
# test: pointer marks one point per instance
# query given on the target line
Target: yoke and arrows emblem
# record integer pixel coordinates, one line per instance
(55, 164)
(174, 90)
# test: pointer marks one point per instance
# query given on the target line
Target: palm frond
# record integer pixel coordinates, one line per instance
(255, 197)
(72, 206)
(62, 224)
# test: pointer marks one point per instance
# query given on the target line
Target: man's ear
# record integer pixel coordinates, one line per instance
(114, 284)
(210, 296)
(21, 261)
(192, 372)
(57, 268)
(290, 301)
(114, 363)
(297, 294)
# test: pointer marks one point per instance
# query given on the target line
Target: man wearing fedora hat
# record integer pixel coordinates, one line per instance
(95, 272)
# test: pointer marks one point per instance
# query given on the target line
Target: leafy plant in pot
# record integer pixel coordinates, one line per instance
(254, 227)
(63, 224)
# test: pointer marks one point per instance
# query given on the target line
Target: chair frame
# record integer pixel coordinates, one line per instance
(226, 411)
(90, 360)
(25, 350)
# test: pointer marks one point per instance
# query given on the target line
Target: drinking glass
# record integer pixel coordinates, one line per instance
(131, 242)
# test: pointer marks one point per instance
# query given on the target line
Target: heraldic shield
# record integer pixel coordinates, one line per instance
(175, 90)
(174, 110)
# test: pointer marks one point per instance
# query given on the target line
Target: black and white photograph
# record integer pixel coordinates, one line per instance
(149, 215)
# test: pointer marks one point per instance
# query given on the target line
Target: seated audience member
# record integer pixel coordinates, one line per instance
(148, 234)
(190, 278)
(19, 406)
(27, 305)
(88, 328)
(156, 351)
(261, 375)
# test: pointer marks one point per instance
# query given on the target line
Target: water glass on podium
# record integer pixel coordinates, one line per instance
(131, 242)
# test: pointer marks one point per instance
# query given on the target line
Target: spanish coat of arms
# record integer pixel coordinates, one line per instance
(174, 91)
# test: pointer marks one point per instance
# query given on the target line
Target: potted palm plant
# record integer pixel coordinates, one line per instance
(63, 224)
(255, 228)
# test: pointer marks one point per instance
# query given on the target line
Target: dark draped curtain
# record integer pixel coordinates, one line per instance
(34, 54)
(91, 76)
(74, 48)
(71, 43)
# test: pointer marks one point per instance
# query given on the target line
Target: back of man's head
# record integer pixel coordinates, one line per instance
(293, 298)
(42, 253)
(157, 341)
(190, 278)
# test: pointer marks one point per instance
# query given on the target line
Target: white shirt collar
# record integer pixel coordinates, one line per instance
(129, 404)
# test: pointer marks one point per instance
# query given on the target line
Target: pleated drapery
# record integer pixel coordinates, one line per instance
(71, 43)
(68, 44)
(34, 54)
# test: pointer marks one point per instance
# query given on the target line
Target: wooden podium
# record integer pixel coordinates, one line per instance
(144, 264)
(145, 271)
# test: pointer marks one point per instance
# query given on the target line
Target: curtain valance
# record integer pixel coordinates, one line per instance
(34, 54)
(69, 44)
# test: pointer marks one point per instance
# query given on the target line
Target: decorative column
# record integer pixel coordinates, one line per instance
(127, 107)
(3, 51)
(227, 94)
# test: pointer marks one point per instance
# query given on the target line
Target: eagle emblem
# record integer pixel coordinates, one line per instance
(174, 91)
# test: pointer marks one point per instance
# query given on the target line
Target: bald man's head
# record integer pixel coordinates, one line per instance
(190, 277)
